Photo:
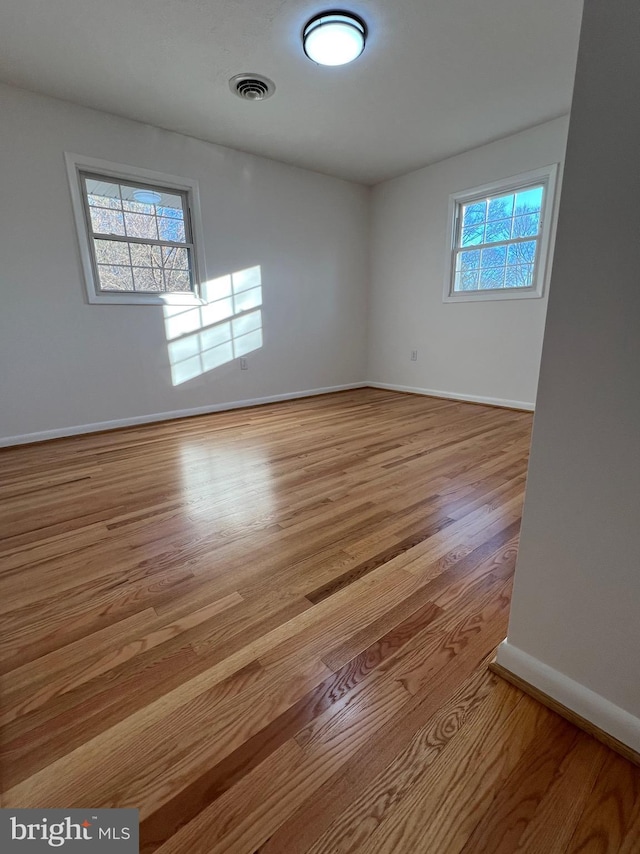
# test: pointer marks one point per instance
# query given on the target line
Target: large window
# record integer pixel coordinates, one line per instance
(136, 234)
(500, 238)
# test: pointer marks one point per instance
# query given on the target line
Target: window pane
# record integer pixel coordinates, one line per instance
(103, 193)
(522, 253)
(149, 200)
(529, 200)
(106, 221)
(466, 280)
(171, 229)
(139, 225)
(171, 205)
(174, 211)
(112, 252)
(115, 278)
(520, 276)
(148, 279)
(146, 255)
(472, 235)
(138, 207)
(469, 260)
(500, 230)
(104, 202)
(491, 278)
(528, 275)
(527, 225)
(178, 280)
(474, 213)
(500, 208)
(173, 256)
(494, 257)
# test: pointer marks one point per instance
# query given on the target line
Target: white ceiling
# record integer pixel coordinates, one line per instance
(437, 77)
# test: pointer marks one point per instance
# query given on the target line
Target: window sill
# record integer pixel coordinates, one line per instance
(128, 298)
(483, 296)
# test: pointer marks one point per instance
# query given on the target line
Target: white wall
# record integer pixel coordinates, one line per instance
(486, 350)
(575, 620)
(66, 363)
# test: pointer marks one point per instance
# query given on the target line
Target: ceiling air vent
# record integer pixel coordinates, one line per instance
(252, 87)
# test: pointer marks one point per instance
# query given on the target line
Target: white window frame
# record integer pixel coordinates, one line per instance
(77, 163)
(547, 176)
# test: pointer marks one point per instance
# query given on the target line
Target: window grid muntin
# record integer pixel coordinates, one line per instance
(461, 203)
(142, 185)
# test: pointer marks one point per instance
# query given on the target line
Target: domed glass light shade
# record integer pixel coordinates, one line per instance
(147, 197)
(334, 38)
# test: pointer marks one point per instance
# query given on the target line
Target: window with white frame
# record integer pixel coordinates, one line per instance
(136, 231)
(500, 238)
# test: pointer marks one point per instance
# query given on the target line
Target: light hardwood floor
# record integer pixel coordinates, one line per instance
(269, 630)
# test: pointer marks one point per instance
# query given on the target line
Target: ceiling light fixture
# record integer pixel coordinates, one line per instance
(334, 38)
(147, 197)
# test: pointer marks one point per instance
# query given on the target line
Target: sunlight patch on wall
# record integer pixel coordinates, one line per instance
(226, 326)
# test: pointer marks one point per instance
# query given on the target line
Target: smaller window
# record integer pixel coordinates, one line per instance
(500, 238)
(136, 233)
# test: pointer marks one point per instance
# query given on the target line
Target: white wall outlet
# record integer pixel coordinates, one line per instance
(414, 355)
(244, 365)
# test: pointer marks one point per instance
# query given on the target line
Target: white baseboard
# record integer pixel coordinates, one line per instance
(450, 395)
(75, 430)
(594, 708)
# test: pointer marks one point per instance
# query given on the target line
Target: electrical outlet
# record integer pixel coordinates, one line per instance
(414, 355)
(244, 365)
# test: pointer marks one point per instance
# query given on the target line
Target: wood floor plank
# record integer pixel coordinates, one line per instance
(609, 809)
(413, 713)
(632, 836)
(381, 558)
(402, 622)
(558, 812)
(269, 629)
(364, 815)
(37, 739)
(515, 803)
(145, 768)
(442, 809)
(73, 666)
(245, 816)
(162, 824)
